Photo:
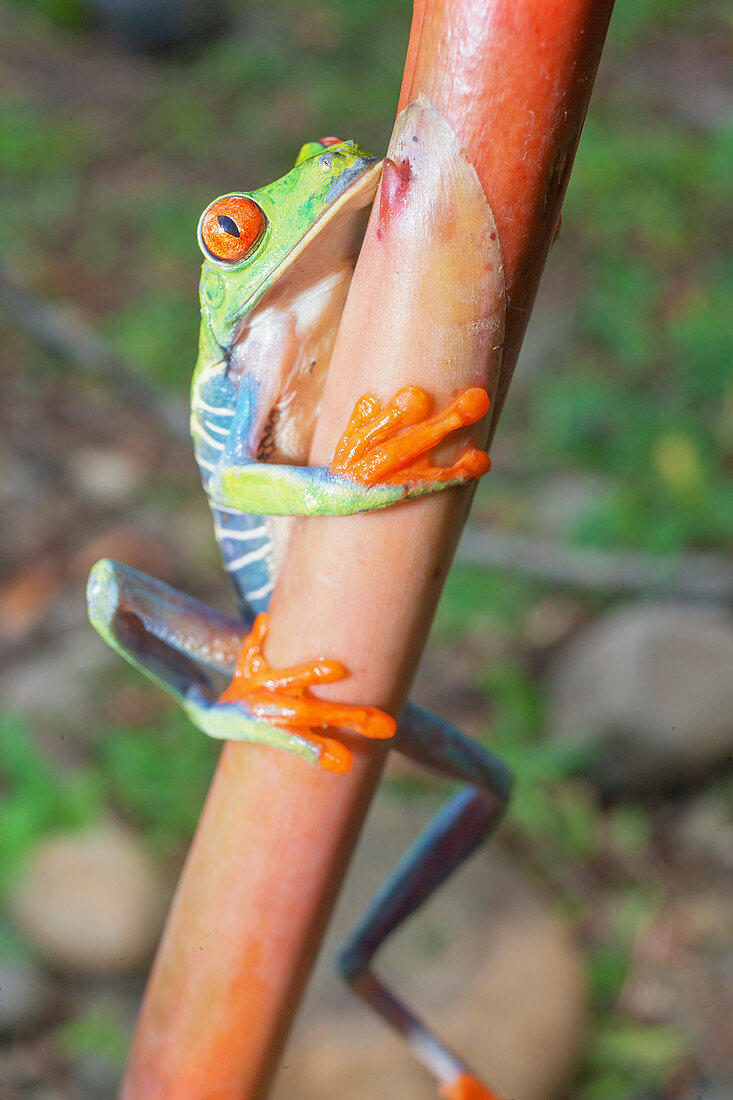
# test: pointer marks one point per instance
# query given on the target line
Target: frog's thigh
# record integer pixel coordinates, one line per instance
(164, 633)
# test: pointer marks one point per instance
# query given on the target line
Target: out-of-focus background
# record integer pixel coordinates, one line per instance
(584, 632)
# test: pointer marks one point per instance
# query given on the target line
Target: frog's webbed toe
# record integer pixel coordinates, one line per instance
(273, 705)
(390, 445)
(236, 722)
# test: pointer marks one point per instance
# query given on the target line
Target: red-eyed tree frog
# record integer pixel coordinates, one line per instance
(277, 267)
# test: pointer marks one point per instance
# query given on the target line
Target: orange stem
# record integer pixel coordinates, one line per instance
(513, 78)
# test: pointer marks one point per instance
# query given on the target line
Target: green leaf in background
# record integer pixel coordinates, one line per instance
(99, 1033)
(159, 776)
(627, 1059)
(37, 799)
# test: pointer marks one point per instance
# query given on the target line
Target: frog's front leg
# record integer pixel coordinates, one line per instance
(169, 636)
(381, 459)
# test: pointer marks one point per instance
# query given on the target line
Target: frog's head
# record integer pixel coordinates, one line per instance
(277, 267)
(252, 239)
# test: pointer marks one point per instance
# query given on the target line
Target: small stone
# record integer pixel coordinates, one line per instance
(104, 475)
(25, 995)
(550, 621)
(91, 902)
(648, 689)
(529, 995)
(98, 1077)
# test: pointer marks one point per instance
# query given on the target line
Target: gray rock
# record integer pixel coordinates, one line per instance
(25, 995)
(648, 689)
(97, 1077)
(92, 902)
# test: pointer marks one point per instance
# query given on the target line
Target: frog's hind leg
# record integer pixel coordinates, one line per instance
(171, 637)
(162, 632)
(467, 820)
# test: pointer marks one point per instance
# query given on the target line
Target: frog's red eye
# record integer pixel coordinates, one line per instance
(231, 227)
(330, 141)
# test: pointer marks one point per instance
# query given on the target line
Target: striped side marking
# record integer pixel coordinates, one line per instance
(214, 370)
(247, 559)
(220, 410)
(216, 428)
(198, 429)
(260, 593)
(242, 536)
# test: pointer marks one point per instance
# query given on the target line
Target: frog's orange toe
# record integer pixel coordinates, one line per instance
(334, 757)
(472, 464)
(304, 712)
(389, 446)
(467, 1087)
(281, 698)
(472, 404)
(376, 723)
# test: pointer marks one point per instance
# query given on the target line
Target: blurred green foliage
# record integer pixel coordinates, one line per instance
(35, 800)
(643, 394)
(158, 780)
(98, 1033)
(630, 1060)
(483, 602)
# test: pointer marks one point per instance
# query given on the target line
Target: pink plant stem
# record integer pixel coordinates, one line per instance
(513, 78)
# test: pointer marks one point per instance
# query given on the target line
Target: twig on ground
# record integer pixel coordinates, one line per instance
(707, 577)
(64, 332)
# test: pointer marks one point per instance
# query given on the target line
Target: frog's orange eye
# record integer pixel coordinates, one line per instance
(329, 141)
(231, 227)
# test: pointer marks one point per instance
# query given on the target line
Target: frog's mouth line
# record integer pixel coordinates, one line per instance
(286, 337)
(353, 191)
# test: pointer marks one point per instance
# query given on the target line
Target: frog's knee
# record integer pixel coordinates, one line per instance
(103, 591)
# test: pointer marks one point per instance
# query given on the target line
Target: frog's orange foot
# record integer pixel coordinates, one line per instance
(467, 1087)
(280, 697)
(390, 445)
